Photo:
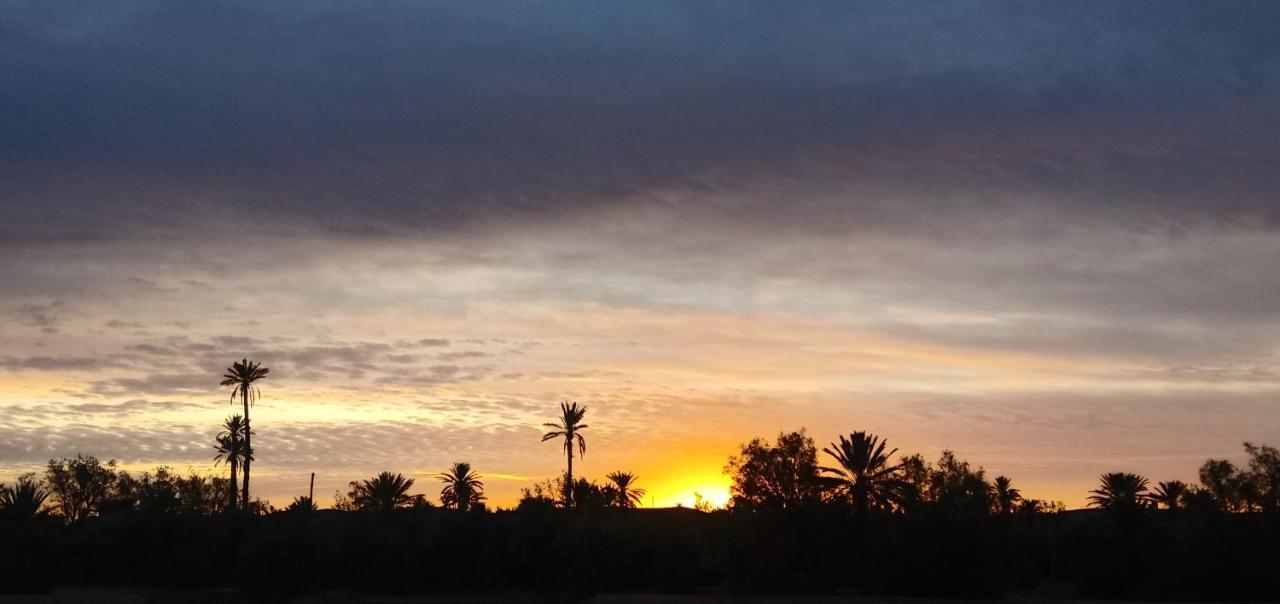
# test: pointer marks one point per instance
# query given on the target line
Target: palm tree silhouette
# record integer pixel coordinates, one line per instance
(1170, 494)
(230, 445)
(384, 492)
(1120, 490)
(241, 377)
(24, 500)
(625, 493)
(462, 487)
(570, 423)
(1006, 497)
(302, 504)
(864, 474)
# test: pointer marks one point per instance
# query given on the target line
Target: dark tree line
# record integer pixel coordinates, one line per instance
(855, 517)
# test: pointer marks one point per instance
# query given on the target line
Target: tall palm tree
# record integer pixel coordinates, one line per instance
(384, 492)
(626, 495)
(1006, 497)
(230, 445)
(241, 377)
(864, 474)
(462, 487)
(570, 424)
(25, 499)
(1120, 490)
(1170, 494)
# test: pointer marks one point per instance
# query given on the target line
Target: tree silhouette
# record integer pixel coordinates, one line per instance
(587, 495)
(625, 494)
(1169, 494)
(569, 426)
(24, 500)
(384, 492)
(81, 485)
(462, 487)
(954, 484)
(1005, 496)
(1225, 484)
(232, 450)
(241, 377)
(783, 475)
(1120, 490)
(301, 504)
(864, 476)
(1264, 475)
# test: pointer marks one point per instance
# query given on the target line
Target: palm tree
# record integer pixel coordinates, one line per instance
(302, 504)
(1120, 490)
(863, 474)
(1006, 497)
(241, 377)
(626, 495)
(384, 492)
(1170, 494)
(570, 424)
(462, 487)
(230, 445)
(25, 499)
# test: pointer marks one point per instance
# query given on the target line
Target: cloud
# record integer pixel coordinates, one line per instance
(755, 213)
(45, 363)
(45, 317)
(439, 117)
(160, 384)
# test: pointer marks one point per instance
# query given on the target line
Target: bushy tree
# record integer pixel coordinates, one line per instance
(1226, 484)
(781, 475)
(1264, 474)
(80, 485)
(953, 484)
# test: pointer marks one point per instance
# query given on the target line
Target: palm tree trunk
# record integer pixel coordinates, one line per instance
(568, 490)
(248, 447)
(860, 502)
(233, 486)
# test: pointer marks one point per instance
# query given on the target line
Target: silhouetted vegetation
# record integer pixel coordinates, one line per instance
(860, 520)
(242, 376)
(569, 428)
(463, 489)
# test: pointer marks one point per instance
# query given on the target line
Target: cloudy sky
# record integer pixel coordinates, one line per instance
(1046, 236)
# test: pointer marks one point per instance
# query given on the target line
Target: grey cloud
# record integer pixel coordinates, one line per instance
(45, 363)
(439, 115)
(62, 411)
(157, 384)
(464, 354)
(45, 317)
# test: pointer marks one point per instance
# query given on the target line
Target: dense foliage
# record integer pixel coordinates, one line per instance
(819, 550)
(866, 522)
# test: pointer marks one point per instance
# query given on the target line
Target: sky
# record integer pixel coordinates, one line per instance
(1043, 235)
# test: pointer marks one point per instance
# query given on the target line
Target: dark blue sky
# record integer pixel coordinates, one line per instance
(411, 115)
